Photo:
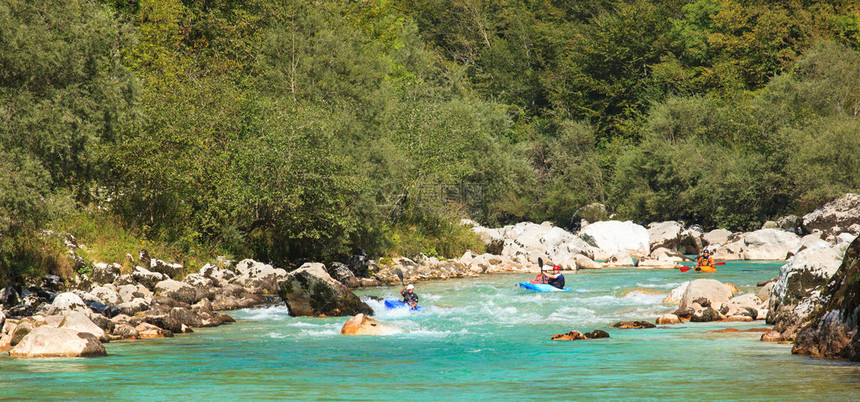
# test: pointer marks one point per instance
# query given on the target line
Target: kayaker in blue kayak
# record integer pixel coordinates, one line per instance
(409, 296)
(556, 278)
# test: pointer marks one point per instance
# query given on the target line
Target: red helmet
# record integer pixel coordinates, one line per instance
(556, 268)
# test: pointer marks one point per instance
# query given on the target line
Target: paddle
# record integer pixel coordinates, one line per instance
(540, 265)
(399, 275)
(685, 269)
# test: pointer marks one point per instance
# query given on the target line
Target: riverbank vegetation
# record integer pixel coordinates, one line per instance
(306, 129)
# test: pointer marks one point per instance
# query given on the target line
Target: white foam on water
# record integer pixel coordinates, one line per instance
(570, 313)
(302, 325)
(645, 298)
(320, 333)
(275, 335)
(633, 298)
(268, 313)
(438, 334)
(665, 285)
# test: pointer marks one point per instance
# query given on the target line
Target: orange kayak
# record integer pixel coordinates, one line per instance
(706, 269)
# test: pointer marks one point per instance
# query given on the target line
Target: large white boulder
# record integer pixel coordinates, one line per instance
(133, 306)
(769, 244)
(812, 241)
(256, 275)
(664, 234)
(716, 237)
(105, 273)
(583, 262)
(146, 277)
(747, 304)
(835, 216)
(730, 251)
(676, 294)
(691, 241)
(525, 242)
(214, 272)
(614, 236)
(713, 290)
(176, 290)
(650, 263)
(664, 254)
(47, 341)
(620, 259)
(80, 322)
(67, 302)
(106, 294)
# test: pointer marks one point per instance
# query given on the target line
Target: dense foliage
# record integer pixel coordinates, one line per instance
(306, 128)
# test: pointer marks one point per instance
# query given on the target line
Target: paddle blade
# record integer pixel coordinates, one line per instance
(399, 274)
(540, 263)
(685, 269)
(719, 263)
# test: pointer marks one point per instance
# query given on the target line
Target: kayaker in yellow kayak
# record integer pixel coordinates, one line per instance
(705, 263)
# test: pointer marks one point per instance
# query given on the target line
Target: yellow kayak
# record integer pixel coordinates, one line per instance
(706, 269)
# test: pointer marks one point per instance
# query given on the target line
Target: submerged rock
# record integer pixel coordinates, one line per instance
(310, 291)
(634, 324)
(364, 325)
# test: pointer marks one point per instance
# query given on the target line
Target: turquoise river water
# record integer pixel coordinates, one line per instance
(477, 338)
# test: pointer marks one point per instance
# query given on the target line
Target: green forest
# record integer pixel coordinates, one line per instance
(299, 129)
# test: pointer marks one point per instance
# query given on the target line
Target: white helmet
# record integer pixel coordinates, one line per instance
(409, 287)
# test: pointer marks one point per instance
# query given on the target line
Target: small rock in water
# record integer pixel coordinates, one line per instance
(634, 324)
(364, 325)
(596, 334)
(772, 336)
(576, 335)
(728, 330)
(570, 336)
(667, 319)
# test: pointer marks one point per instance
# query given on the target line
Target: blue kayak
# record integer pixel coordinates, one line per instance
(392, 304)
(541, 287)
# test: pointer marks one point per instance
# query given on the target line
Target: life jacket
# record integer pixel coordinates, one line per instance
(705, 262)
(541, 278)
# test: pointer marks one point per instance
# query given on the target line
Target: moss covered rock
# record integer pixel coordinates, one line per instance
(799, 288)
(833, 329)
(311, 291)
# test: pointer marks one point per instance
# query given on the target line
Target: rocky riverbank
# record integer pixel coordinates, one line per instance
(48, 318)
